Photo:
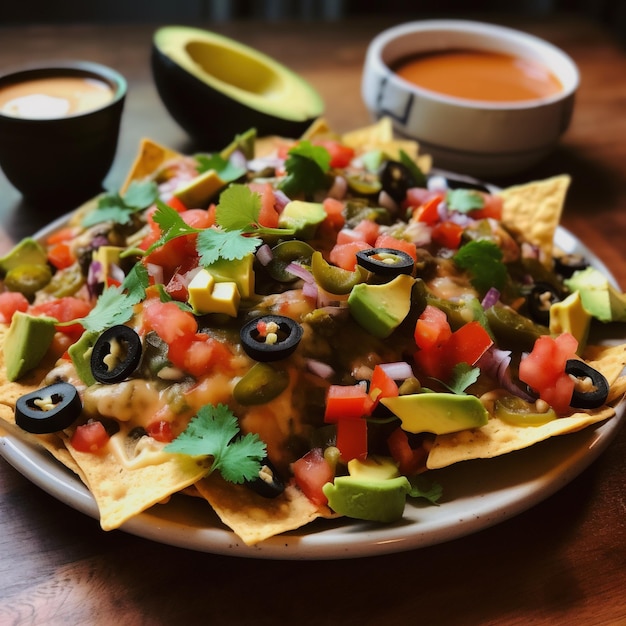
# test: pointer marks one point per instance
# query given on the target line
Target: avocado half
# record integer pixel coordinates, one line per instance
(216, 88)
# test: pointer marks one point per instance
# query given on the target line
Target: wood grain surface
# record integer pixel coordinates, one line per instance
(561, 562)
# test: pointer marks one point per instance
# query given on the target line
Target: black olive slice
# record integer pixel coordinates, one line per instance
(121, 346)
(466, 183)
(593, 389)
(396, 179)
(268, 484)
(285, 337)
(48, 410)
(385, 261)
(541, 297)
(567, 264)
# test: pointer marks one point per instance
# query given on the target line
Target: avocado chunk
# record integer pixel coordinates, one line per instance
(302, 217)
(244, 143)
(208, 296)
(600, 299)
(437, 413)
(27, 252)
(214, 86)
(380, 309)
(374, 491)
(26, 343)
(570, 316)
(197, 192)
(80, 354)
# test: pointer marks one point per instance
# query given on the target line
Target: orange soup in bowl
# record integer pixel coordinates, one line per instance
(54, 97)
(480, 75)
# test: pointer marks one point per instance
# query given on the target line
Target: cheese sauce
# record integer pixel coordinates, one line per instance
(480, 75)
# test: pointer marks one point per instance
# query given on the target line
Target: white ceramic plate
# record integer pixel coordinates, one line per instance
(477, 495)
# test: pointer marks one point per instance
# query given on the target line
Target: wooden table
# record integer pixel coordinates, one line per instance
(561, 562)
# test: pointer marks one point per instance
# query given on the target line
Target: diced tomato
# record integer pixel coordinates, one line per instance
(177, 286)
(410, 460)
(544, 370)
(89, 437)
(160, 430)
(382, 385)
(352, 439)
(387, 241)
(347, 402)
(344, 255)
(369, 229)
(64, 234)
(491, 209)
(447, 234)
(440, 349)
(334, 213)
(348, 235)
(199, 354)
(61, 255)
(176, 204)
(340, 155)
(167, 320)
(65, 309)
(268, 215)
(418, 196)
(467, 344)
(428, 212)
(10, 303)
(311, 473)
(432, 328)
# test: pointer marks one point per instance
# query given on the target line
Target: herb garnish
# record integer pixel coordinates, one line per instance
(214, 432)
(306, 166)
(483, 260)
(120, 209)
(464, 200)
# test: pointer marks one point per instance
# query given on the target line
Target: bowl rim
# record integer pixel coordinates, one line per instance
(64, 67)
(377, 46)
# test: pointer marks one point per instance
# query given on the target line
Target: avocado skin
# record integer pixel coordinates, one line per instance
(211, 118)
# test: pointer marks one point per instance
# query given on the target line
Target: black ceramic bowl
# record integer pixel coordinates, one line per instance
(65, 158)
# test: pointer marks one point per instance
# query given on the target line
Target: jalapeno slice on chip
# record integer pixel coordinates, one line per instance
(270, 337)
(116, 354)
(49, 409)
(592, 389)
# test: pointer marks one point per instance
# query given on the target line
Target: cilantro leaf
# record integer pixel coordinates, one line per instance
(483, 260)
(422, 488)
(136, 282)
(214, 432)
(464, 200)
(113, 307)
(463, 375)
(170, 222)
(114, 208)
(238, 209)
(227, 171)
(307, 166)
(231, 245)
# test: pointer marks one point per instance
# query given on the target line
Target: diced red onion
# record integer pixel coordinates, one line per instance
(387, 202)
(301, 272)
(310, 290)
(323, 370)
(281, 200)
(339, 188)
(491, 297)
(95, 277)
(264, 254)
(116, 273)
(400, 370)
(238, 159)
(155, 272)
(495, 363)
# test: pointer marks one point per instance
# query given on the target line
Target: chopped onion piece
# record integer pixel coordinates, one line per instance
(323, 370)
(264, 254)
(310, 290)
(491, 297)
(400, 370)
(301, 272)
(155, 272)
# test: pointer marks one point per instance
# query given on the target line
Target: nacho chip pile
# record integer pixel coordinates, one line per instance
(217, 263)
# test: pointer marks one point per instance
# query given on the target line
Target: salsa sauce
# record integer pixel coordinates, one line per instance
(480, 75)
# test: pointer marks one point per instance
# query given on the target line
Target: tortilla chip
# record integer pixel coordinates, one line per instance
(122, 493)
(534, 211)
(150, 157)
(254, 518)
(498, 437)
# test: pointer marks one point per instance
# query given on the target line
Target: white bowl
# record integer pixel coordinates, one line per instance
(479, 138)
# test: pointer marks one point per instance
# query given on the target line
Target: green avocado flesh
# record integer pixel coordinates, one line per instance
(599, 298)
(214, 86)
(27, 342)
